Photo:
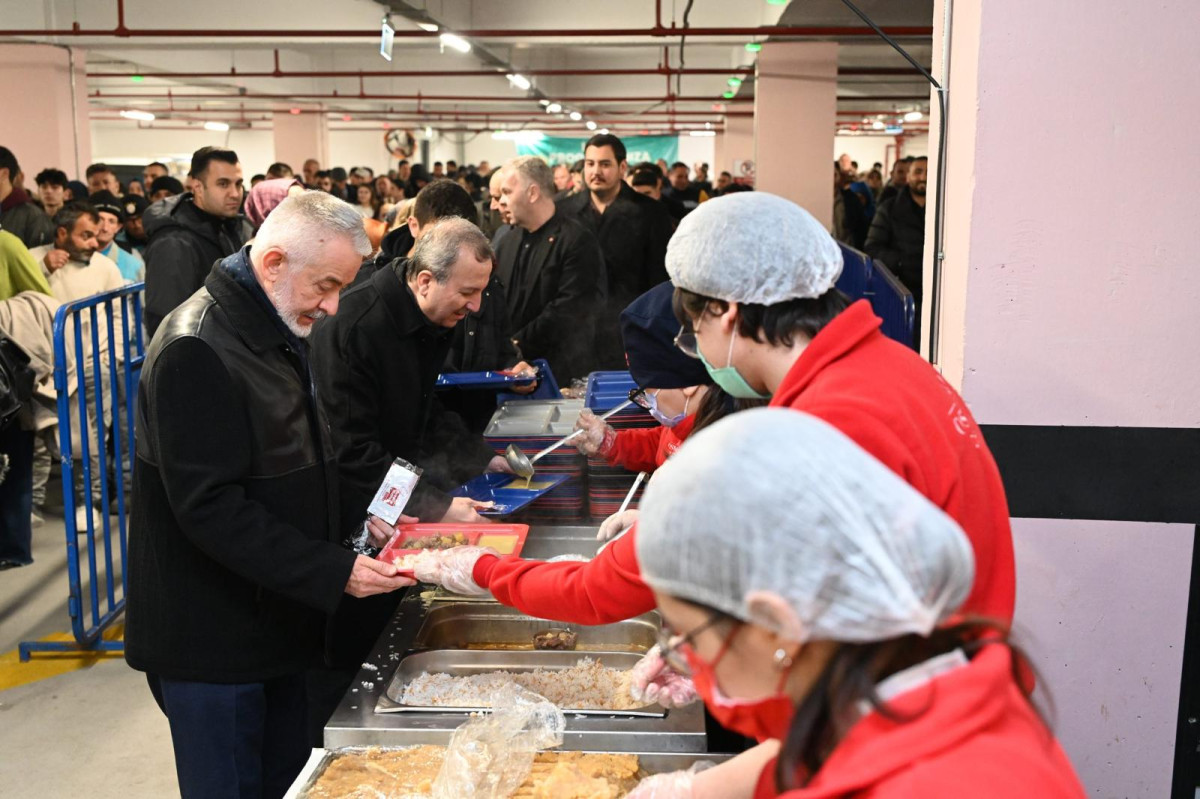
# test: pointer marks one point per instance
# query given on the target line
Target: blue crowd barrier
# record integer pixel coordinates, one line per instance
(866, 278)
(96, 551)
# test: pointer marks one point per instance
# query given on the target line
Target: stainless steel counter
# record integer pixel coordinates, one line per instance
(355, 722)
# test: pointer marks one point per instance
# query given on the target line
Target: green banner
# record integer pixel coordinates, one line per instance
(564, 150)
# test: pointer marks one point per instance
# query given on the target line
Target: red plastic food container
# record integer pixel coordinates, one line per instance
(507, 539)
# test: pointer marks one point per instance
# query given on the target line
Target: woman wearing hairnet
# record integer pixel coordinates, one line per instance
(609, 587)
(812, 613)
(754, 277)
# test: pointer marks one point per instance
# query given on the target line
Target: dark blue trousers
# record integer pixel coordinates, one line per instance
(16, 496)
(240, 741)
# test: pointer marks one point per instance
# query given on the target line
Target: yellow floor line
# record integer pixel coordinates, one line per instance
(43, 665)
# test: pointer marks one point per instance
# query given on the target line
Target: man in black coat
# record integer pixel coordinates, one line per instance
(192, 231)
(18, 214)
(633, 231)
(897, 234)
(552, 271)
(234, 567)
(377, 362)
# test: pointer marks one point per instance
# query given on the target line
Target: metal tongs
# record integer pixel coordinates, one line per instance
(522, 464)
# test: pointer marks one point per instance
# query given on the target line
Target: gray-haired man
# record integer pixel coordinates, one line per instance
(234, 567)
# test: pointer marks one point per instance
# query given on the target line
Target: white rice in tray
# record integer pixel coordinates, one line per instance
(588, 685)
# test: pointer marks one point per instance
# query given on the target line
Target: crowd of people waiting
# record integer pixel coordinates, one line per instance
(851, 619)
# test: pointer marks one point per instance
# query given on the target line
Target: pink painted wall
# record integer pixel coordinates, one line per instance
(299, 137)
(795, 105)
(37, 124)
(736, 143)
(1072, 298)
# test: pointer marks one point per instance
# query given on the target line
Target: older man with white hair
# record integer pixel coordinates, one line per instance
(234, 565)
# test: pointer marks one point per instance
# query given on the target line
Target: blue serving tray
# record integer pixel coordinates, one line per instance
(482, 380)
(498, 488)
(607, 390)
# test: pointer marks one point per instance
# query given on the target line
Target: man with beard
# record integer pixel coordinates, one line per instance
(633, 231)
(898, 180)
(897, 234)
(191, 232)
(235, 506)
(76, 270)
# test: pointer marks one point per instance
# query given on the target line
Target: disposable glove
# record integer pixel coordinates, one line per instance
(453, 569)
(655, 681)
(599, 439)
(672, 785)
(617, 524)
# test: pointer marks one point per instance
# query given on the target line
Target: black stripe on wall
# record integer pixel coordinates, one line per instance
(1135, 474)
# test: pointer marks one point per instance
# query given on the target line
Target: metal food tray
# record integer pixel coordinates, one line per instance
(533, 418)
(458, 626)
(463, 662)
(649, 762)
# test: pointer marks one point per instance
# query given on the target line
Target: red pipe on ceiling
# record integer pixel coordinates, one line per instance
(451, 98)
(479, 73)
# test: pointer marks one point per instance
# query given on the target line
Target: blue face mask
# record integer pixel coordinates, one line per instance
(729, 378)
(662, 418)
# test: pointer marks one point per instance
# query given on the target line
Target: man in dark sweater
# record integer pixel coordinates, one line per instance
(18, 214)
(234, 567)
(191, 232)
(897, 235)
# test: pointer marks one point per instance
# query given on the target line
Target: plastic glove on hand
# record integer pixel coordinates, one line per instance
(616, 524)
(599, 438)
(453, 569)
(672, 785)
(655, 681)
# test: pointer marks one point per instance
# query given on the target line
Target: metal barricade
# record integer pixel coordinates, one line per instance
(104, 335)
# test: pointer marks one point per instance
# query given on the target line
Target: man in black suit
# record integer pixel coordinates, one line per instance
(633, 231)
(553, 273)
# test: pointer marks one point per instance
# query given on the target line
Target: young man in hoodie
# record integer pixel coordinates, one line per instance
(191, 232)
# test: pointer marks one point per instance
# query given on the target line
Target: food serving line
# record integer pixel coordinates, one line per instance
(434, 630)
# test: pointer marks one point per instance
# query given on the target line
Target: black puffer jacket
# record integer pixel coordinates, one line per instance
(233, 569)
(897, 238)
(29, 224)
(185, 242)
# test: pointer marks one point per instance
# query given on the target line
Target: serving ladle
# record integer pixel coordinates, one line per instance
(522, 464)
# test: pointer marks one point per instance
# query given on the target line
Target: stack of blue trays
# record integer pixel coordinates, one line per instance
(608, 485)
(533, 425)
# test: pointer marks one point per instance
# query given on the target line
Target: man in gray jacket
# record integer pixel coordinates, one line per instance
(18, 214)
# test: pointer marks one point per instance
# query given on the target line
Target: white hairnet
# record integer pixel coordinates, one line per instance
(753, 247)
(776, 500)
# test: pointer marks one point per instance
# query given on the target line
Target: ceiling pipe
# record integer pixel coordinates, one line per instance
(480, 73)
(454, 98)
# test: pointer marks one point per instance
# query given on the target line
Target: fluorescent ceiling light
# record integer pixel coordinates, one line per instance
(703, 133)
(913, 116)
(456, 42)
(604, 131)
(427, 26)
(877, 125)
(576, 116)
(553, 108)
(519, 81)
(428, 132)
(218, 127)
(543, 102)
(387, 35)
(591, 125)
(140, 116)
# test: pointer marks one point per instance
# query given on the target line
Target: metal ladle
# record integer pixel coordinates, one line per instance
(522, 464)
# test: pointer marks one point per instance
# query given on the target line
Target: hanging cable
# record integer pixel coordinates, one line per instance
(935, 296)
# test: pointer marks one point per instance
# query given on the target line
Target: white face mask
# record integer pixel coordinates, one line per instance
(660, 417)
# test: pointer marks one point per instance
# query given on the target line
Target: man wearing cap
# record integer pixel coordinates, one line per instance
(165, 187)
(132, 237)
(112, 220)
(754, 277)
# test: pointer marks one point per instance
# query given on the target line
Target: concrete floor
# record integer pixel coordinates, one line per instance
(94, 731)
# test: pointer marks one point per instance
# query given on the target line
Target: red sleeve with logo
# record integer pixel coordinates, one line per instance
(604, 590)
(643, 449)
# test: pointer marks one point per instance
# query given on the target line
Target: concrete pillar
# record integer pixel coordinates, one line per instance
(1072, 317)
(46, 124)
(735, 146)
(795, 111)
(299, 137)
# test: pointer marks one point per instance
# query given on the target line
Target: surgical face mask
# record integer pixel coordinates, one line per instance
(762, 719)
(728, 377)
(662, 418)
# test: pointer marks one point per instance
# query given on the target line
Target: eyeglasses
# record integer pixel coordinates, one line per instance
(685, 340)
(643, 399)
(670, 646)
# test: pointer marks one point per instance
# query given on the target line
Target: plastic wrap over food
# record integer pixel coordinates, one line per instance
(490, 756)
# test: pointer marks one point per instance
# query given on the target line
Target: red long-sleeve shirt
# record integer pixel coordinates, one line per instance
(891, 403)
(645, 449)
